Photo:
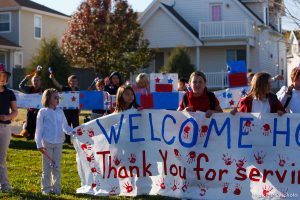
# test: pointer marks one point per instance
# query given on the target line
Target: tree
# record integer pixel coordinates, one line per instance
(105, 34)
(50, 55)
(179, 62)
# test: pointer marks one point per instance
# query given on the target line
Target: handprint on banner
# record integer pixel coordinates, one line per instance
(186, 131)
(259, 157)
(266, 190)
(113, 190)
(177, 154)
(161, 183)
(203, 189)
(266, 129)
(90, 158)
(203, 131)
(132, 158)
(191, 157)
(247, 126)
(91, 132)
(227, 159)
(116, 160)
(241, 162)
(128, 187)
(238, 189)
(80, 131)
(95, 171)
(225, 187)
(175, 185)
(185, 186)
(282, 160)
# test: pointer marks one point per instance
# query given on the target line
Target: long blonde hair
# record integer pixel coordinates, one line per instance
(120, 103)
(47, 96)
(259, 85)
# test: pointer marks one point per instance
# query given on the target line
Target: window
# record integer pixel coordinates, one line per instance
(18, 59)
(37, 26)
(4, 22)
(236, 55)
(216, 12)
(2, 58)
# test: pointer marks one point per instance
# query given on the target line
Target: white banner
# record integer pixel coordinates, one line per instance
(67, 100)
(185, 155)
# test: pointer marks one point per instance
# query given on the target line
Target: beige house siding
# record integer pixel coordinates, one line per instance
(51, 27)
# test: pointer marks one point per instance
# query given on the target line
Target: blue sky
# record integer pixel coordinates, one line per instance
(69, 6)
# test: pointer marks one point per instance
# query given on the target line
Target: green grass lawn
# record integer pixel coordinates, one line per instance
(24, 171)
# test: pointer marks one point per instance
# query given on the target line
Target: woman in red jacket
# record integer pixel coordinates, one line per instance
(260, 98)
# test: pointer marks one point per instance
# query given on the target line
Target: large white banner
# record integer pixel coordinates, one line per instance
(185, 155)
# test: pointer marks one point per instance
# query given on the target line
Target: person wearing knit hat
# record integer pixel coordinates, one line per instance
(8, 110)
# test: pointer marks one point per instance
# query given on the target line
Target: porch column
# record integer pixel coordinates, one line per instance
(198, 58)
(248, 57)
(11, 64)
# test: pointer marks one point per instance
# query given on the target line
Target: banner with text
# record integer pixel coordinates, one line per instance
(88, 100)
(185, 155)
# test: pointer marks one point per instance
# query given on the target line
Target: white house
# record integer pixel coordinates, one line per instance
(217, 31)
(293, 52)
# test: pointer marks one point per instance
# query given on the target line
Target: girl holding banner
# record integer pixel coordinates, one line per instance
(199, 99)
(260, 99)
(49, 137)
(8, 102)
(125, 99)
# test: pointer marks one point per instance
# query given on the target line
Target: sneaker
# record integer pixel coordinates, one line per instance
(22, 134)
(5, 188)
(45, 193)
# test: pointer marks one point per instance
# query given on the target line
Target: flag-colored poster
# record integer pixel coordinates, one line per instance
(163, 82)
(185, 155)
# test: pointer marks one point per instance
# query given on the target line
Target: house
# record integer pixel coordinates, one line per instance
(23, 23)
(293, 52)
(215, 32)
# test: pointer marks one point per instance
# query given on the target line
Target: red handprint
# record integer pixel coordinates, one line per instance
(282, 160)
(225, 187)
(177, 154)
(90, 158)
(85, 147)
(247, 126)
(161, 183)
(240, 162)
(113, 190)
(80, 131)
(259, 157)
(116, 160)
(227, 159)
(203, 190)
(266, 190)
(93, 185)
(186, 131)
(238, 189)
(185, 186)
(132, 158)
(175, 185)
(94, 171)
(191, 157)
(128, 187)
(266, 129)
(91, 132)
(203, 131)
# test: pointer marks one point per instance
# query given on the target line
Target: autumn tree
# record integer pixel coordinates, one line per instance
(105, 34)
